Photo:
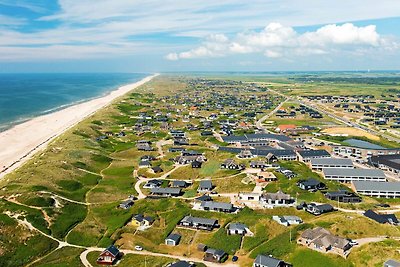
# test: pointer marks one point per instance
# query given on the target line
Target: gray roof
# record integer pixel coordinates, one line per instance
(237, 226)
(198, 220)
(267, 261)
(332, 161)
(174, 237)
(181, 264)
(206, 184)
(391, 263)
(168, 190)
(216, 205)
(313, 153)
(354, 172)
(279, 137)
(377, 186)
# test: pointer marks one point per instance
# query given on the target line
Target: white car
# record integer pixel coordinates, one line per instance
(138, 248)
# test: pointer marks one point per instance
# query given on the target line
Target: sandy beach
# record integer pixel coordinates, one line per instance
(21, 142)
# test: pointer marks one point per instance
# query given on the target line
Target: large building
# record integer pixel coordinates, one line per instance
(320, 163)
(308, 155)
(344, 175)
(377, 189)
(387, 162)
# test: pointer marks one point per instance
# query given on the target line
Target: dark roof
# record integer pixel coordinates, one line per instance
(113, 250)
(167, 190)
(314, 153)
(204, 198)
(174, 237)
(267, 261)
(178, 183)
(206, 184)
(392, 161)
(181, 264)
(381, 218)
(310, 182)
(324, 207)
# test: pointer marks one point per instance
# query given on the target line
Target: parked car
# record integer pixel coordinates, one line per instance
(138, 248)
(235, 258)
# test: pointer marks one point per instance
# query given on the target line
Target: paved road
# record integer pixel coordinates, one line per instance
(265, 117)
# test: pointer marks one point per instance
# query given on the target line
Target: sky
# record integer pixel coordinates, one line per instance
(207, 35)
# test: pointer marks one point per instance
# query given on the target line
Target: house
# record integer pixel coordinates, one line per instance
(139, 220)
(321, 163)
(157, 169)
(173, 239)
(153, 184)
(179, 184)
(344, 196)
(144, 164)
(109, 256)
(238, 229)
(126, 204)
(278, 199)
(205, 186)
(215, 255)
(322, 240)
(250, 196)
(266, 177)
(181, 264)
(311, 184)
(319, 209)
(217, 206)
(307, 155)
(245, 154)
(386, 162)
(166, 192)
(258, 164)
(232, 165)
(196, 164)
(382, 218)
(285, 127)
(269, 261)
(287, 220)
(203, 198)
(199, 223)
(271, 158)
(377, 189)
(391, 263)
(350, 175)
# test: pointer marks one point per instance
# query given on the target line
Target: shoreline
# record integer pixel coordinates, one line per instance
(22, 141)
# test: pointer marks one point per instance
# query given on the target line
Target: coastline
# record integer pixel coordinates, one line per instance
(24, 140)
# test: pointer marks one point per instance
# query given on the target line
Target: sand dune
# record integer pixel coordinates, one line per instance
(21, 142)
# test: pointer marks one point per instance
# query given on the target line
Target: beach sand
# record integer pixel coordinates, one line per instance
(21, 142)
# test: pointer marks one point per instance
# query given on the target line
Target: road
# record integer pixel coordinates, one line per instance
(265, 117)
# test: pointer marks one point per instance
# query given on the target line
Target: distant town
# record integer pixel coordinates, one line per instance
(199, 171)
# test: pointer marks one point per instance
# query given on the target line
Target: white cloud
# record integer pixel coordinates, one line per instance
(276, 41)
(172, 56)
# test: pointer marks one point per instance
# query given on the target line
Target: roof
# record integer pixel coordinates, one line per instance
(205, 184)
(168, 190)
(216, 205)
(216, 252)
(178, 183)
(332, 161)
(392, 161)
(353, 172)
(260, 152)
(198, 220)
(324, 207)
(113, 250)
(377, 186)
(391, 263)
(181, 264)
(204, 198)
(310, 182)
(314, 153)
(279, 137)
(237, 226)
(277, 196)
(381, 218)
(174, 237)
(283, 127)
(267, 261)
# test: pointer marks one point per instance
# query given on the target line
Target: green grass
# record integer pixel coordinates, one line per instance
(40, 201)
(69, 215)
(64, 257)
(310, 258)
(221, 240)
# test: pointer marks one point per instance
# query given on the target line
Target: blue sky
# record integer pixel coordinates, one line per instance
(180, 35)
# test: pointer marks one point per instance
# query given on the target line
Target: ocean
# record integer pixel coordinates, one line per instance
(25, 96)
